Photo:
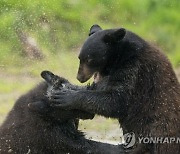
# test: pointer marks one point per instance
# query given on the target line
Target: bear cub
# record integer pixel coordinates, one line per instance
(137, 85)
(33, 126)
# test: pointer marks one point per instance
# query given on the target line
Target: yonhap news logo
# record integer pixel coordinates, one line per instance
(130, 140)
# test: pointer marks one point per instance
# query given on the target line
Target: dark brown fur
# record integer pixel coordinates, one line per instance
(138, 86)
(40, 129)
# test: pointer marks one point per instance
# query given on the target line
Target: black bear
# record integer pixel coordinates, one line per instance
(40, 129)
(135, 83)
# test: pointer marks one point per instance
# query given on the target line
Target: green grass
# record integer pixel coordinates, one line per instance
(60, 25)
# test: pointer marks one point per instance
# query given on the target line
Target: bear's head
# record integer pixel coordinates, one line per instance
(97, 51)
(44, 106)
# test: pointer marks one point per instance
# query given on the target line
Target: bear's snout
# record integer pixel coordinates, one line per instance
(81, 78)
(84, 73)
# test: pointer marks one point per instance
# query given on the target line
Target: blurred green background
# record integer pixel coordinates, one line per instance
(38, 35)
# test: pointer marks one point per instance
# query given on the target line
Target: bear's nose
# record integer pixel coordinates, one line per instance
(81, 78)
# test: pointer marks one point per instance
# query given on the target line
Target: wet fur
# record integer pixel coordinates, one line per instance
(41, 129)
(138, 87)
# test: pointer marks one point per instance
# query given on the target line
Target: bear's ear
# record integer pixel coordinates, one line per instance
(115, 36)
(48, 76)
(94, 29)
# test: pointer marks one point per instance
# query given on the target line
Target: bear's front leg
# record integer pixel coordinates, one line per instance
(105, 103)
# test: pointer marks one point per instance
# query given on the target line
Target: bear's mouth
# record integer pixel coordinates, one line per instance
(97, 77)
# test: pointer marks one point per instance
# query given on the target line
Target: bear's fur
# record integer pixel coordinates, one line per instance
(137, 85)
(40, 129)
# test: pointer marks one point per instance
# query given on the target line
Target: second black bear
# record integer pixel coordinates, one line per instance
(46, 130)
(137, 85)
